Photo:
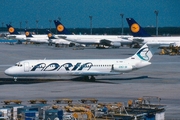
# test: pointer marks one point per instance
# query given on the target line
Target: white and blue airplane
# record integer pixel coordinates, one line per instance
(14, 34)
(142, 37)
(99, 40)
(88, 68)
(55, 40)
(36, 38)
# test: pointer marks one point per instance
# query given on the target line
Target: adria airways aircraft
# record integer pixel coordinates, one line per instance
(83, 67)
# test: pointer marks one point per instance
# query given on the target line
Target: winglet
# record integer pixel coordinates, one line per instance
(11, 29)
(60, 28)
(146, 52)
(136, 29)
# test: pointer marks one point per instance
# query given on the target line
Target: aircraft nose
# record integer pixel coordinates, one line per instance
(8, 72)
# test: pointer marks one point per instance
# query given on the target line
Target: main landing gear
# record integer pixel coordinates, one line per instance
(87, 78)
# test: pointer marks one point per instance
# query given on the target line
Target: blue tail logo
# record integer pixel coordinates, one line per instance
(50, 35)
(143, 54)
(146, 52)
(27, 33)
(11, 29)
(136, 29)
(60, 28)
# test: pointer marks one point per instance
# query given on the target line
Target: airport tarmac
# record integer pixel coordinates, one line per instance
(161, 78)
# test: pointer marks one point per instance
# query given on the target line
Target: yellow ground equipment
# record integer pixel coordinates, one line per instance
(7, 102)
(92, 100)
(64, 100)
(171, 50)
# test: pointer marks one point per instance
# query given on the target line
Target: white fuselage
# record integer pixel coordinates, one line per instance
(35, 38)
(96, 39)
(38, 39)
(60, 41)
(160, 40)
(74, 67)
(16, 37)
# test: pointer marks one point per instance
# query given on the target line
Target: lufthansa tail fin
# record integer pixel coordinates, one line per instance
(60, 28)
(27, 33)
(136, 29)
(146, 52)
(50, 35)
(12, 30)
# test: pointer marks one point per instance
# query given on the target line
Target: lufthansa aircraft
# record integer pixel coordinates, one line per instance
(83, 67)
(14, 34)
(106, 40)
(55, 40)
(36, 38)
(141, 36)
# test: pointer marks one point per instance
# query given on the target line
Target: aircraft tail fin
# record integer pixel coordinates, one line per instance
(28, 34)
(146, 52)
(136, 29)
(61, 28)
(11, 29)
(50, 35)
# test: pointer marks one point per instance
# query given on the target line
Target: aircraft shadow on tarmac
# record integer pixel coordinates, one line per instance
(110, 80)
(77, 79)
(25, 80)
(129, 78)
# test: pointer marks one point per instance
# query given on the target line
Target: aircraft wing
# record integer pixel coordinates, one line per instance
(105, 42)
(138, 40)
(62, 36)
(115, 43)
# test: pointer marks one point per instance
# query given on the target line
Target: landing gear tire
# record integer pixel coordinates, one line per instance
(86, 78)
(15, 79)
(92, 78)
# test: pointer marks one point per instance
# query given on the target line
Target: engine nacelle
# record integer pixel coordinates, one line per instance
(122, 67)
(116, 44)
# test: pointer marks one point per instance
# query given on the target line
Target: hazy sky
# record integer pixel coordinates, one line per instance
(75, 13)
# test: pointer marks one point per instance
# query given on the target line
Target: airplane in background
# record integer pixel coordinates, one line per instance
(36, 38)
(14, 34)
(88, 68)
(28, 37)
(84, 40)
(57, 41)
(141, 36)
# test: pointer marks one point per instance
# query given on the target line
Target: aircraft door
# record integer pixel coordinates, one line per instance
(26, 67)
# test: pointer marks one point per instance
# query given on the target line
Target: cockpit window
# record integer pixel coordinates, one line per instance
(18, 64)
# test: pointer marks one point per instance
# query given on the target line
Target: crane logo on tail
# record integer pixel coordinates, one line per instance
(135, 28)
(11, 29)
(27, 33)
(60, 28)
(49, 35)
